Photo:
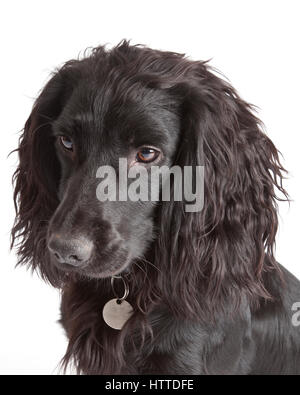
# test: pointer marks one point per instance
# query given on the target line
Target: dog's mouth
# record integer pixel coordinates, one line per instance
(96, 267)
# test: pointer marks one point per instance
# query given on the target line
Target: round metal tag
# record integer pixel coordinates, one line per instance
(116, 313)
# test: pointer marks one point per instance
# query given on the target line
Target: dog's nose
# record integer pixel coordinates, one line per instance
(73, 251)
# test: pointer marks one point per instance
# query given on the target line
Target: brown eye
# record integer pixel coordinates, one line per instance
(147, 155)
(66, 142)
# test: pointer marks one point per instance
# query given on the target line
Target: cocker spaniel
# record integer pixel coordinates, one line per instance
(148, 287)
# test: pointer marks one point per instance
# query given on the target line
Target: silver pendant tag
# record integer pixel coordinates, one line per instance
(116, 313)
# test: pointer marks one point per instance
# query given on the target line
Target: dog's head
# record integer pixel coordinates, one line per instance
(151, 108)
(108, 115)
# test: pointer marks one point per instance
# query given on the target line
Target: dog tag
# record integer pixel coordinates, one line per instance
(116, 313)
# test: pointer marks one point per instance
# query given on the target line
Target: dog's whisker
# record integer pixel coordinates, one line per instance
(136, 263)
(150, 263)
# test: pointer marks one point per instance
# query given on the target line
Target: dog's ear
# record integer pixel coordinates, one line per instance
(37, 176)
(224, 250)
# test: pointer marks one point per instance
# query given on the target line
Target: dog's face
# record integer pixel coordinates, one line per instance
(96, 128)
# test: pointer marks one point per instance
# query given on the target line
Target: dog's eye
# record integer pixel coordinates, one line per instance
(66, 142)
(147, 155)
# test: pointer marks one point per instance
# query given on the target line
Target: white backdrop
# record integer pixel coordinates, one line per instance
(254, 43)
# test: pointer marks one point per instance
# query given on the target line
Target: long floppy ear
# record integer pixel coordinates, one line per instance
(220, 255)
(36, 178)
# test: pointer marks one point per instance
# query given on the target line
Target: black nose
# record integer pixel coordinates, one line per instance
(74, 251)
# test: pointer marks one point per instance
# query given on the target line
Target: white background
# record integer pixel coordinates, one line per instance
(254, 43)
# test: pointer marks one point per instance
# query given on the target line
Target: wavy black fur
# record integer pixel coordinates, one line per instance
(208, 294)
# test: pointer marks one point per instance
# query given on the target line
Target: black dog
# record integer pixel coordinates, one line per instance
(207, 294)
